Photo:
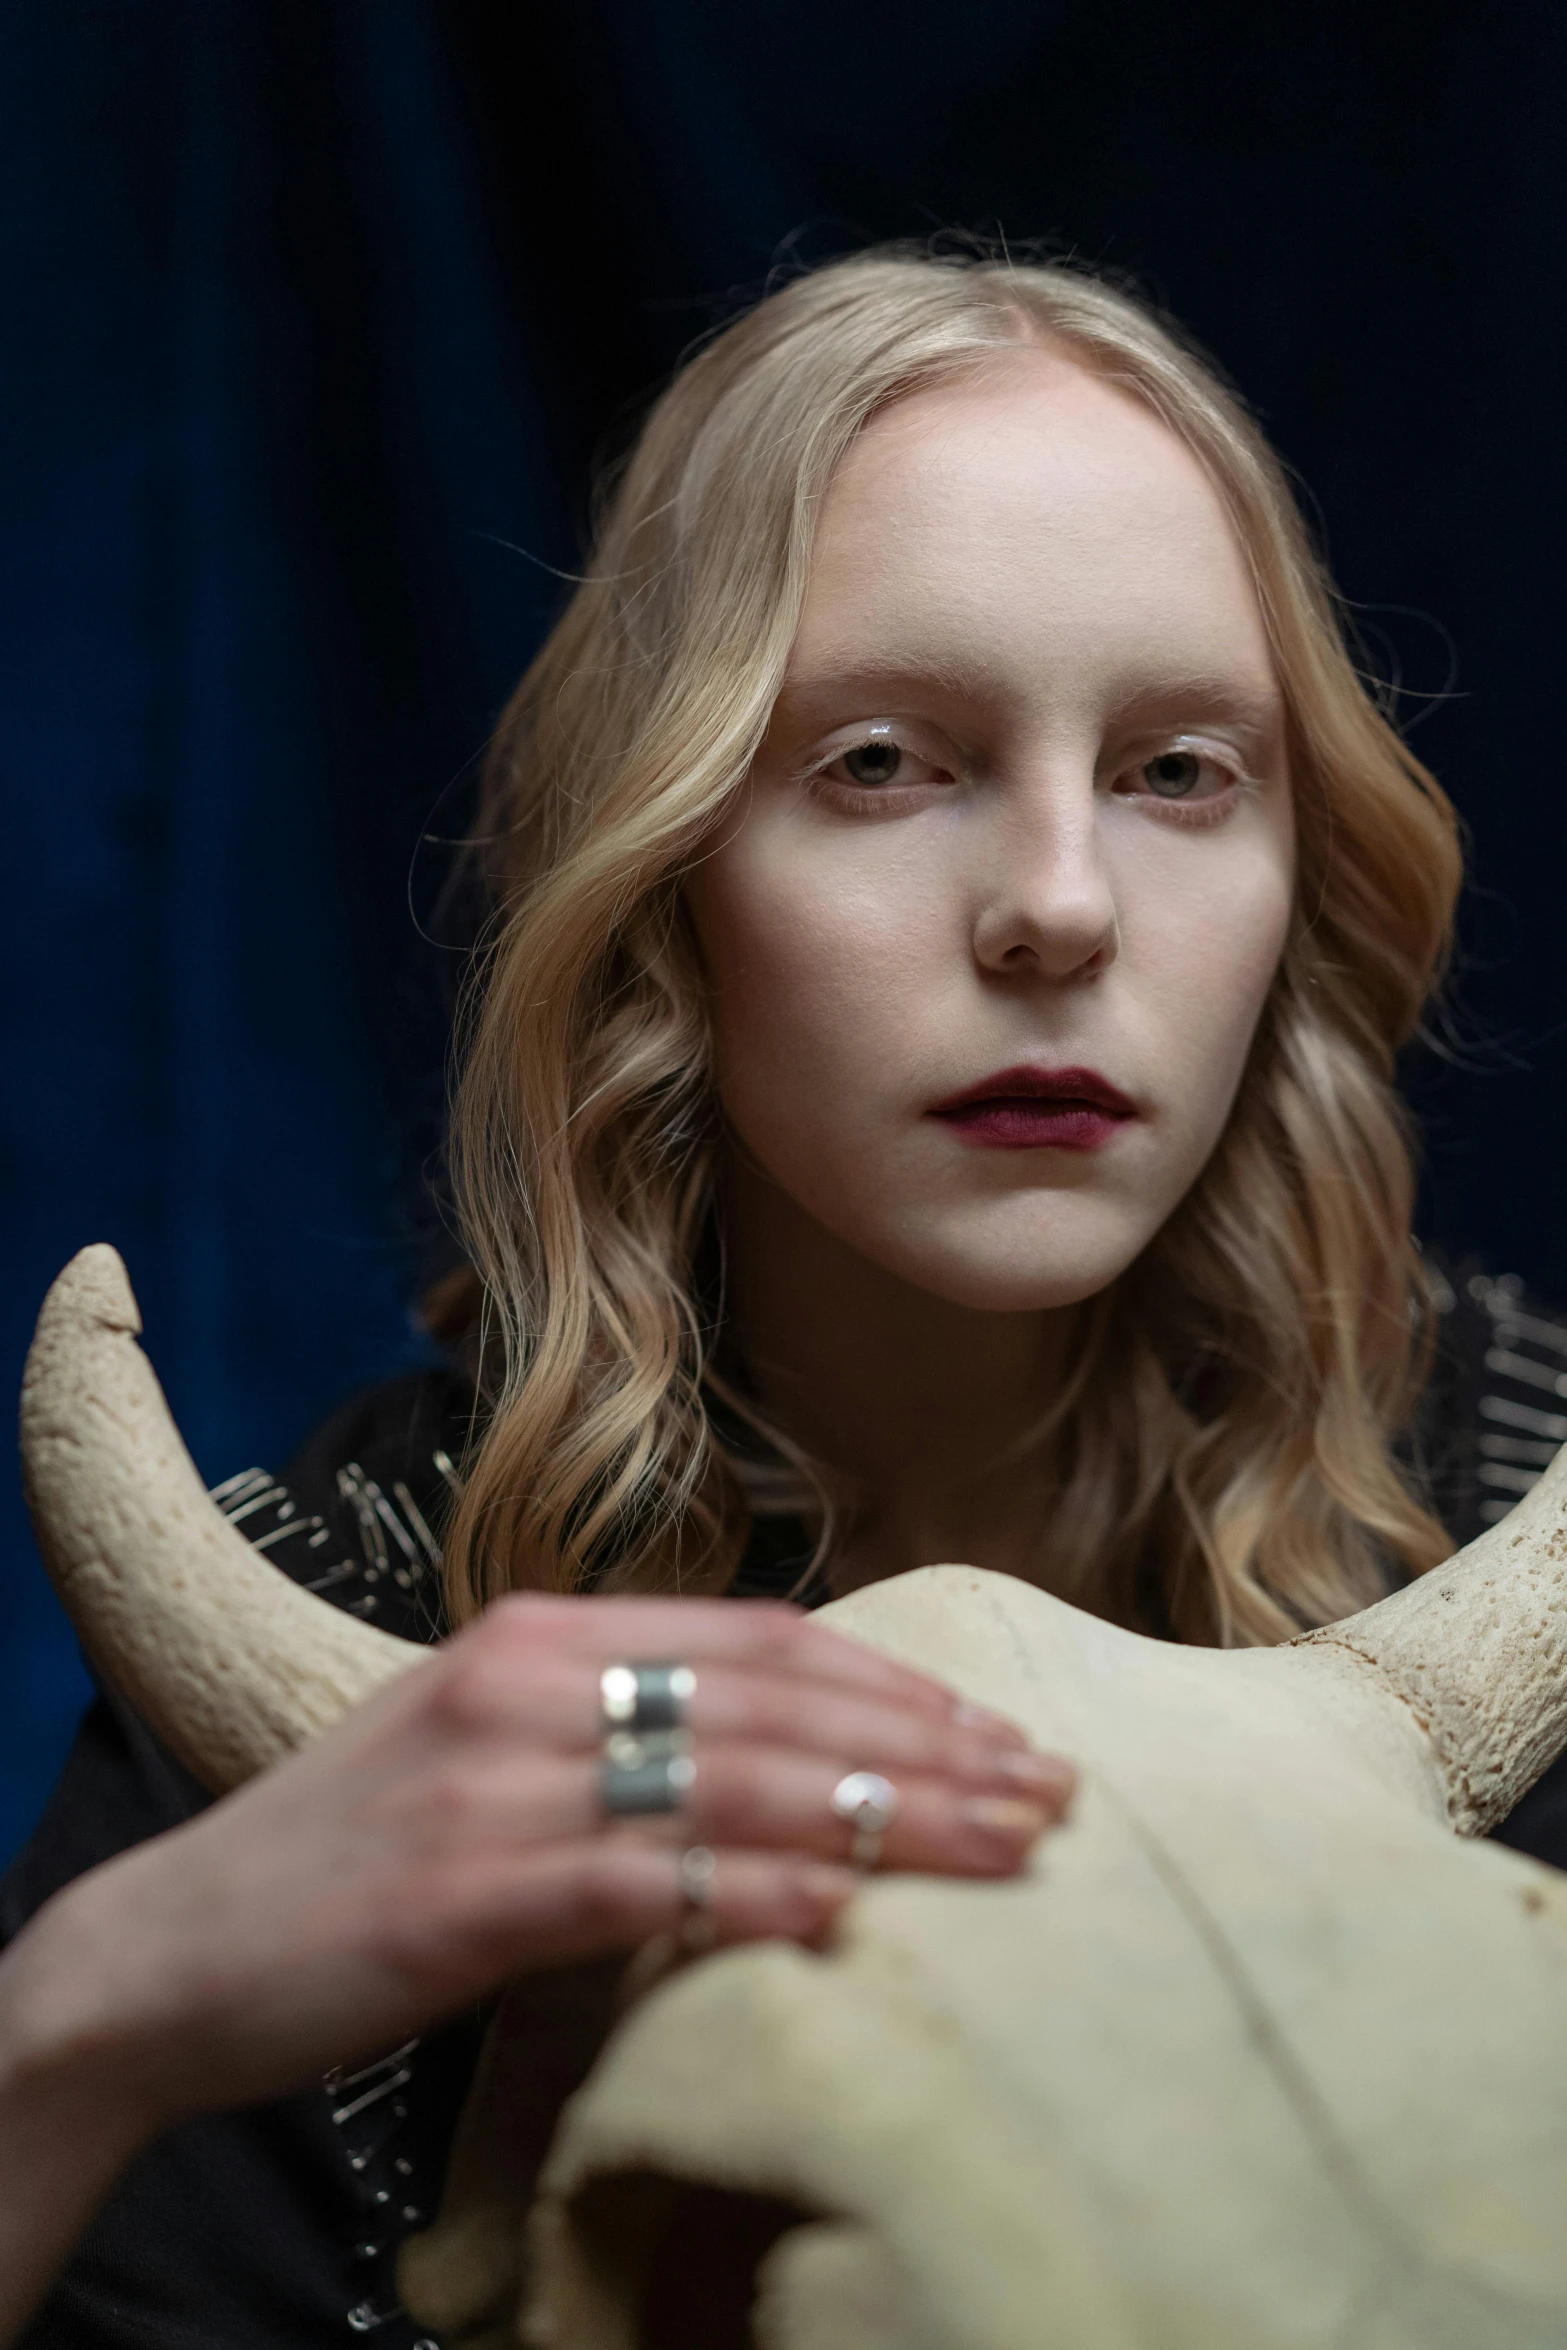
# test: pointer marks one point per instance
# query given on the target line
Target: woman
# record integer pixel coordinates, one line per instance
(929, 1095)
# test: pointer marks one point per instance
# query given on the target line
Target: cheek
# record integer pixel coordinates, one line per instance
(1205, 966)
(819, 981)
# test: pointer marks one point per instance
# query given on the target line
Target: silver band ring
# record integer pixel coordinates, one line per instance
(646, 1697)
(870, 1804)
(644, 1775)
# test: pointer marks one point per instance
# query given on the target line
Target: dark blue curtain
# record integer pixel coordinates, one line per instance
(318, 313)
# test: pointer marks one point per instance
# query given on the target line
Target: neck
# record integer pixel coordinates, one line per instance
(922, 1407)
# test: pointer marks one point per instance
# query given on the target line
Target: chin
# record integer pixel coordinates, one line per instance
(996, 1273)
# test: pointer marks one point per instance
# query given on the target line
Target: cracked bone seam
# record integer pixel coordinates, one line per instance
(1260, 2053)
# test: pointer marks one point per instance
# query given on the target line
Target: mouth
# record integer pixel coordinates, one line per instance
(1030, 1109)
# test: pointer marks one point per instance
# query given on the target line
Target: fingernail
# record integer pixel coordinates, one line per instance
(999, 1815)
(1048, 1772)
(824, 1883)
(978, 1717)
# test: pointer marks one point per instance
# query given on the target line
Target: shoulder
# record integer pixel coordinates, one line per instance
(1495, 1410)
(357, 1515)
(1495, 1415)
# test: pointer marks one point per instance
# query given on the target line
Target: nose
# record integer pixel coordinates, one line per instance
(1047, 906)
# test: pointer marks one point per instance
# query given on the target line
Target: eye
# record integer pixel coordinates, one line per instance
(1185, 774)
(880, 762)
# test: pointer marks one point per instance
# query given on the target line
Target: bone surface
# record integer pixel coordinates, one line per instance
(1260, 2054)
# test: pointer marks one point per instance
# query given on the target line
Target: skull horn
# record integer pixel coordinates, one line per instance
(229, 1662)
(1477, 1649)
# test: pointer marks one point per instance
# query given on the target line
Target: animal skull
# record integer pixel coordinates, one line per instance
(1260, 2054)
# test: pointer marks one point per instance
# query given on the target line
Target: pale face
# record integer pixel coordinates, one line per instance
(1020, 832)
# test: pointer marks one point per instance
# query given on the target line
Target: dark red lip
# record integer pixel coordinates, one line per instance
(1030, 1108)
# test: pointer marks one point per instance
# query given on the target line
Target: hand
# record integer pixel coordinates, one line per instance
(449, 1834)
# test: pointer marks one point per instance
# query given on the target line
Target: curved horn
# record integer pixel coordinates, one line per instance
(231, 1663)
(1477, 1648)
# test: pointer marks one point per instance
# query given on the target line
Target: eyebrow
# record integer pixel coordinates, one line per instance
(1258, 707)
(959, 679)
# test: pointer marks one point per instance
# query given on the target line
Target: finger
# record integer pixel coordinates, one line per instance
(772, 1797)
(758, 1797)
(516, 1681)
(555, 1703)
(761, 1632)
(864, 1730)
(582, 1898)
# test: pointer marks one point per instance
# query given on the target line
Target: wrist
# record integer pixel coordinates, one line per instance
(72, 2108)
(74, 2068)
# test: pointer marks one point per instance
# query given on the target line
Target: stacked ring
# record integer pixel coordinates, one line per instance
(648, 1765)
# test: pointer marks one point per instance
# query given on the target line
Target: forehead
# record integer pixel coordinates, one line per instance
(1030, 511)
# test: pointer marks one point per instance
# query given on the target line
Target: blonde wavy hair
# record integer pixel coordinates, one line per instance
(1222, 1447)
